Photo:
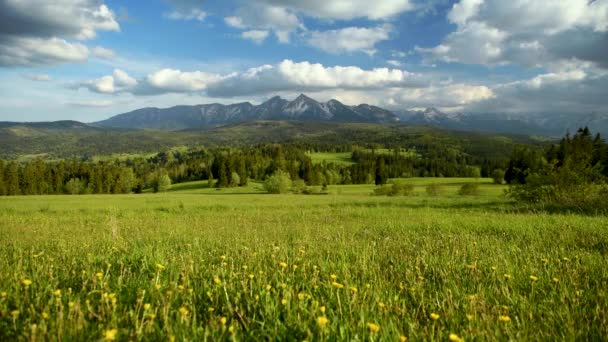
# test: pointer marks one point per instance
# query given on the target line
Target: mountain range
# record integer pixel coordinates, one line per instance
(303, 108)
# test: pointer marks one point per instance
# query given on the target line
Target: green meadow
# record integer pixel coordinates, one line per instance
(197, 263)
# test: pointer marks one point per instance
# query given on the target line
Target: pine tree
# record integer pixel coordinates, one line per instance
(11, 177)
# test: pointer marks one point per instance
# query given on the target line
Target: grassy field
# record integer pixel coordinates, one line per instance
(197, 263)
(344, 158)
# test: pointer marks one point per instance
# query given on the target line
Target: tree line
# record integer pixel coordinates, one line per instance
(226, 167)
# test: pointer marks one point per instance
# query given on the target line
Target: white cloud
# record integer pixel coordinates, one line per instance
(572, 92)
(532, 33)
(259, 18)
(347, 9)
(350, 39)
(119, 81)
(394, 63)
(257, 36)
(177, 81)
(25, 51)
(304, 76)
(38, 77)
(190, 14)
(449, 97)
(104, 53)
(33, 32)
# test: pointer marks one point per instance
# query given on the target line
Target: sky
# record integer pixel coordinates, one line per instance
(87, 60)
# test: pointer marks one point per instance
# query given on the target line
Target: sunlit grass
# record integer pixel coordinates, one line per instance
(343, 266)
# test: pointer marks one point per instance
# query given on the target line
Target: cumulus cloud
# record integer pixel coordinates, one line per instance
(34, 32)
(525, 32)
(28, 51)
(565, 92)
(304, 76)
(263, 18)
(449, 97)
(257, 36)
(347, 9)
(350, 39)
(119, 81)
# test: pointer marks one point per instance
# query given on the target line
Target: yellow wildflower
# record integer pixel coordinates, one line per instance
(223, 320)
(160, 267)
(45, 315)
(245, 267)
(57, 293)
(15, 314)
(494, 268)
(251, 276)
(381, 305)
(533, 278)
(337, 285)
(110, 334)
(3, 294)
(455, 338)
(26, 282)
(333, 277)
(322, 309)
(284, 301)
(472, 267)
(295, 267)
(353, 289)
(283, 264)
(302, 296)
(503, 318)
(210, 309)
(183, 311)
(147, 306)
(223, 257)
(565, 259)
(555, 280)
(470, 317)
(434, 316)
(508, 276)
(373, 327)
(402, 338)
(217, 280)
(99, 275)
(230, 329)
(268, 287)
(322, 321)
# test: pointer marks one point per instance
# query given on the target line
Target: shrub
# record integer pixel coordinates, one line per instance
(235, 179)
(469, 189)
(74, 186)
(498, 176)
(278, 183)
(396, 189)
(434, 189)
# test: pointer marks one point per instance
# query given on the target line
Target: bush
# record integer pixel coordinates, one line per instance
(469, 189)
(434, 189)
(74, 186)
(498, 176)
(278, 183)
(235, 179)
(397, 189)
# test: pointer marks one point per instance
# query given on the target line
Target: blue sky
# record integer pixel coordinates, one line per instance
(89, 59)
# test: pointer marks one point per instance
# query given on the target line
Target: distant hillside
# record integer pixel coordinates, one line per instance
(88, 141)
(547, 124)
(303, 108)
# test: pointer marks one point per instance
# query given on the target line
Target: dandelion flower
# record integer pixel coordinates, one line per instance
(45, 315)
(373, 327)
(183, 311)
(230, 329)
(302, 296)
(470, 317)
(503, 318)
(545, 261)
(402, 338)
(147, 306)
(160, 267)
(555, 280)
(283, 264)
(322, 321)
(3, 294)
(508, 276)
(284, 301)
(472, 267)
(15, 314)
(210, 309)
(322, 309)
(353, 289)
(57, 293)
(455, 338)
(217, 280)
(566, 259)
(26, 282)
(434, 316)
(268, 287)
(494, 268)
(381, 305)
(99, 275)
(251, 276)
(533, 278)
(333, 277)
(223, 320)
(245, 267)
(337, 285)
(110, 334)
(472, 297)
